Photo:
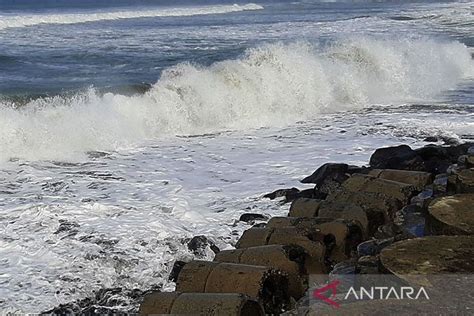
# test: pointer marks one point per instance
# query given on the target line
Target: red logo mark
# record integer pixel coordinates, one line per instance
(318, 293)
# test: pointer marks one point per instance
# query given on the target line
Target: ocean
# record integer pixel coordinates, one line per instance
(128, 127)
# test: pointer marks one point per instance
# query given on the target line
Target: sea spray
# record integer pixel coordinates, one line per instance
(271, 85)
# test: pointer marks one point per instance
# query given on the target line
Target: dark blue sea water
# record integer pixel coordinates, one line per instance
(128, 126)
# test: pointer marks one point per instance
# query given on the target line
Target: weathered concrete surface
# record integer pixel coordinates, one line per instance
(267, 285)
(304, 207)
(451, 215)
(365, 183)
(461, 181)
(430, 255)
(175, 303)
(289, 259)
(390, 308)
(418, 179)
(312, 242)
(369, 210)
(347, 233)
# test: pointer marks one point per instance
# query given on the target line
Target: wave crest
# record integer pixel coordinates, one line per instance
(270, 85)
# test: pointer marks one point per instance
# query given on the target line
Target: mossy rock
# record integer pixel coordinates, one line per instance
(451, 215)
(430, 255)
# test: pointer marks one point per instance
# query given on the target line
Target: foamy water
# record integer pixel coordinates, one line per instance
(100, 187)
(15, 21)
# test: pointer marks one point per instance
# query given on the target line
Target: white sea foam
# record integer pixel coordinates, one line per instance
(271, 85)
(7, 21)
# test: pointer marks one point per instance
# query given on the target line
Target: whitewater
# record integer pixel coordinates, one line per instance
(73, 18)
(126, 130)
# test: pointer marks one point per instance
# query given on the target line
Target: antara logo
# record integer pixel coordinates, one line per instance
(370, 293)
(385, 293)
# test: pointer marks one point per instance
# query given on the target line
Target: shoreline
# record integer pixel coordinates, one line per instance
(407, 182)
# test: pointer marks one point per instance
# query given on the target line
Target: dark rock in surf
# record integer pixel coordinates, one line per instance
(110, 301)
(334, 171)
(198, 245)
(252, 217)
(431, 139)
(287, 193)
(397, 157)
(329, 177)
(437, 159)
(177, 266)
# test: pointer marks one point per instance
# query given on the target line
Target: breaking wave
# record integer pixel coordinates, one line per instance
(73, 18)
(270, 85)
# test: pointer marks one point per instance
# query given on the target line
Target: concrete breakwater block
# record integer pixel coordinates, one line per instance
(364, 183)
(289, 259)
(429, 255)
(304, 207)
(367, 219)
(388, 307)
(269, 286)
(347, 233)
(451, 215)
(222, 304)
(418, 179)
(312, 242)
(461, 181)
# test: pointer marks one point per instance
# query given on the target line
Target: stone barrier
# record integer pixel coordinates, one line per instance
(289, 259)
(175, 303)
(267, 285)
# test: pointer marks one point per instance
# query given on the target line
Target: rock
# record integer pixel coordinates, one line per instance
(267, 285)
(177, 266)
(65, 226)
(364, 183)
(397, 157)
(440, 255)
(370, 209)
(344, 267)
(367, 248)
(293, 194)
(438, 158)
(373, 247)
(347, 233)
(287, 193)
(312, 242)
(109, 301)
(289, 259)
(469, 162)
(175, 303)
(413, 222)
(461, 181)
(333, 171)
(423, 199)
(368, 265)
(451, 215)
(440, 183)
(252, 217)
(328, 177)
(303, 207)
(352, 212)
(431, 139)
(198, 245)
(393, 231)
(390, 307)
(418, 179)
